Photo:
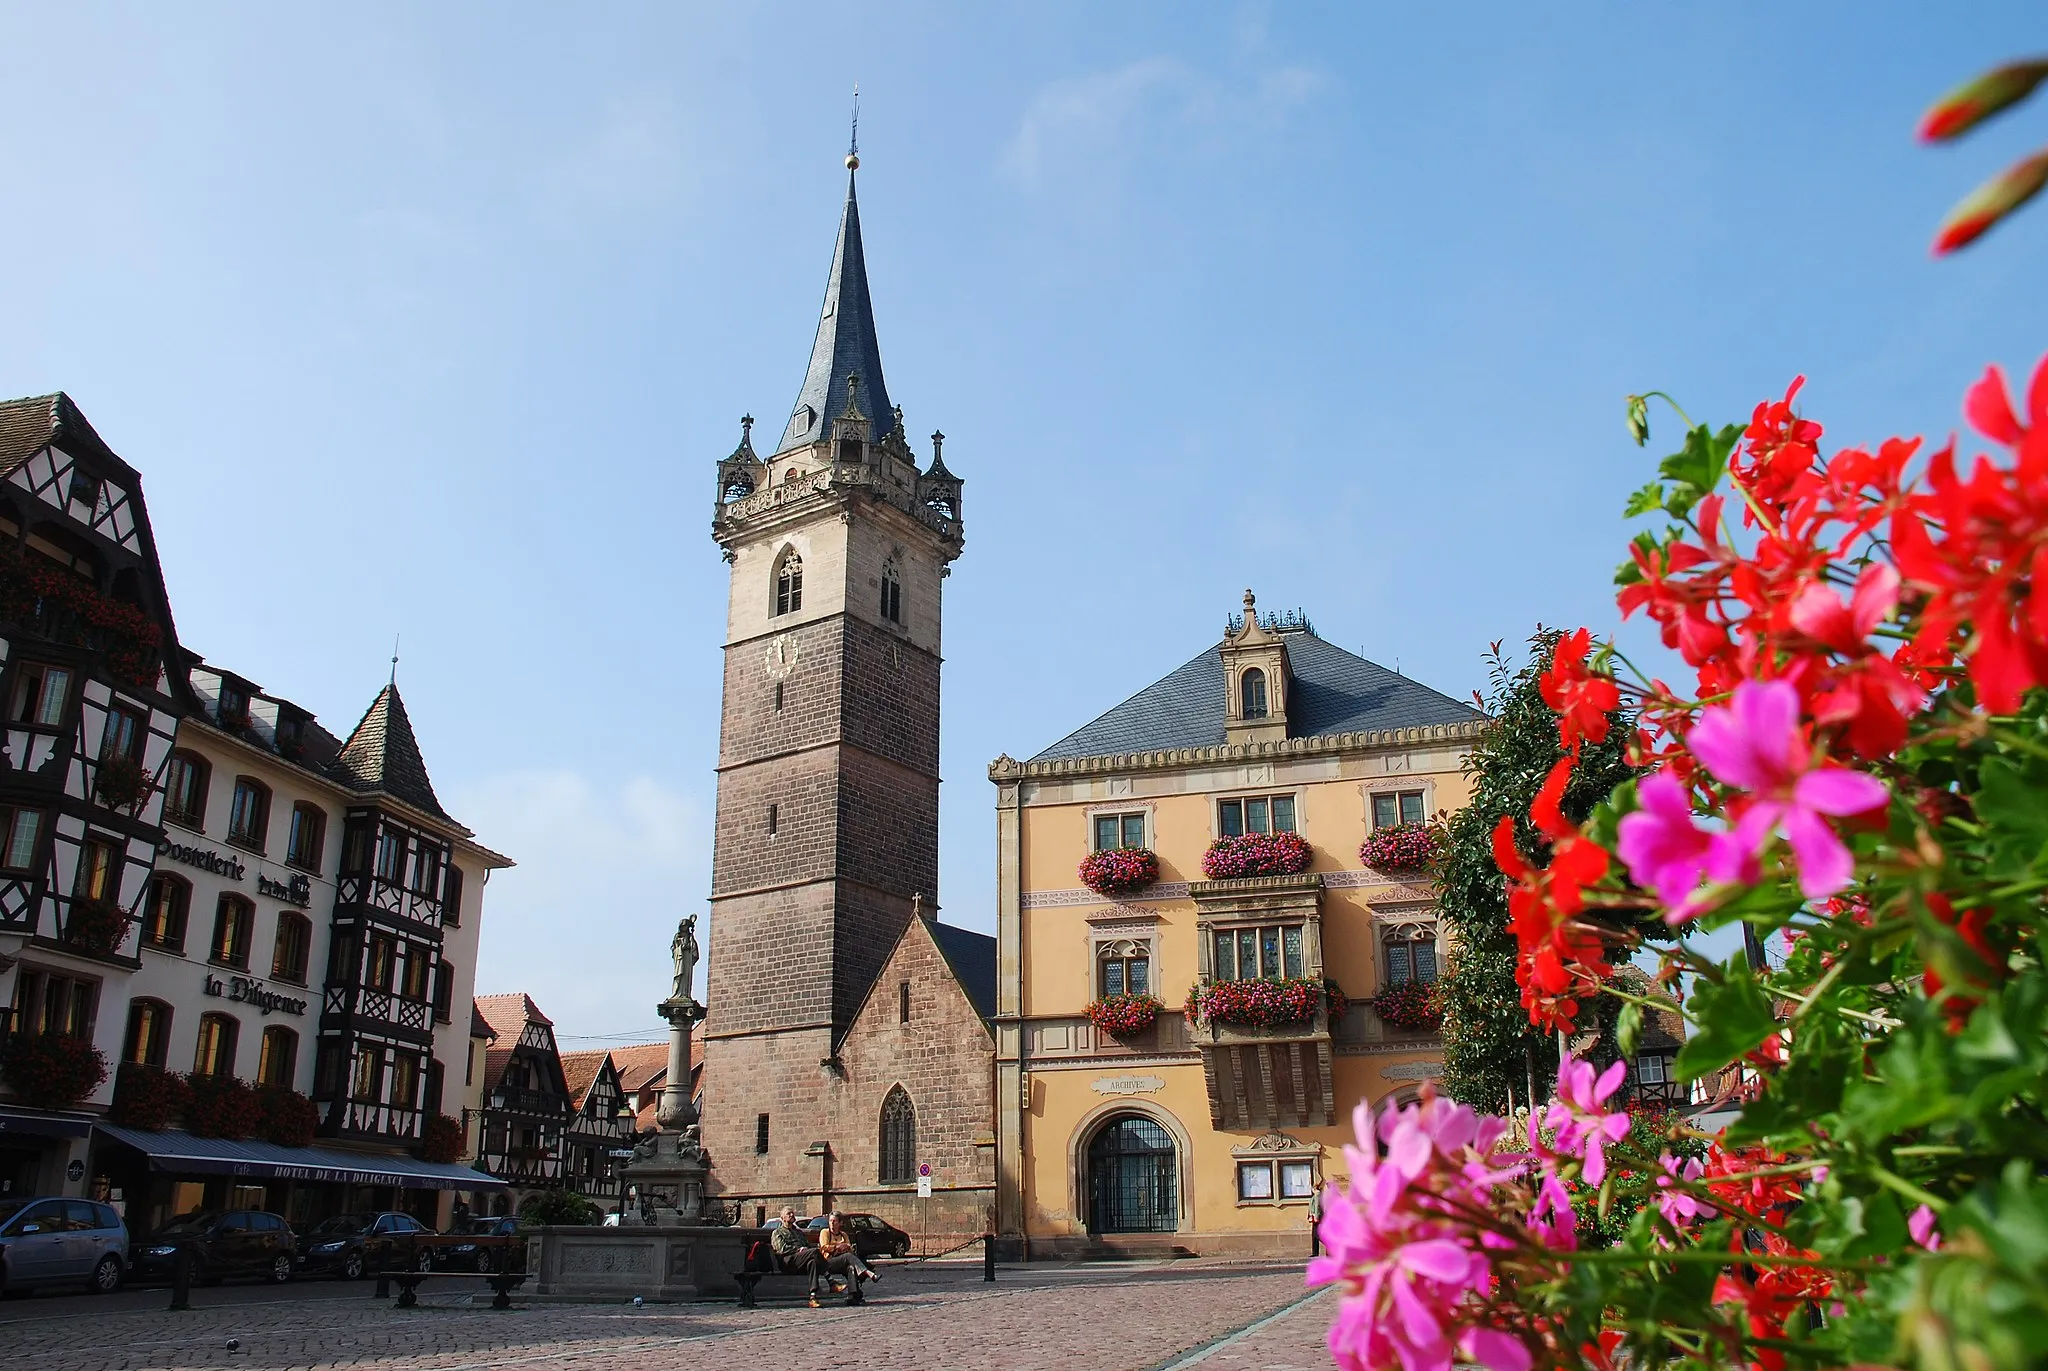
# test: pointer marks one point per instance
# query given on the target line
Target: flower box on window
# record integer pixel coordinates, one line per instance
(1124, 1016)
(57, 605)
(1416, 1006)
(1276, 1003)
(1402, 847)
(121, 783)
(1119, 870)
(441, 1139)
(95, 926)
(222, 1107)
(286, 1117)
(148, 1097)
(1257, 854)
(51, 1070)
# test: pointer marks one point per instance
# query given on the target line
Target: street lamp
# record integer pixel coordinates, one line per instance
(629, 1119)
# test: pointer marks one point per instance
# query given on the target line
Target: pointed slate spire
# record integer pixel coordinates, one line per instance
(382, 754)
(846, 344)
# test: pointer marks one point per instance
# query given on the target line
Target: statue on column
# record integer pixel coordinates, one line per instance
(684, 951)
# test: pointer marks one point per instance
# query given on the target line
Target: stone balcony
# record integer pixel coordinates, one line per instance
(1268, 1078)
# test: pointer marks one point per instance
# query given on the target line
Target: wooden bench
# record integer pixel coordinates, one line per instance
(408, 1283)
(786, 1283)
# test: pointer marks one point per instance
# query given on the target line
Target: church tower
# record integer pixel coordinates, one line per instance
(827, 835)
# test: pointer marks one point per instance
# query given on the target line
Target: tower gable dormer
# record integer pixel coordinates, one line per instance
(1255, 679)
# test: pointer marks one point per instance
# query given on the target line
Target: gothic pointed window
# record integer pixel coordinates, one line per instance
(1252, 690)
(899, 1139)
(892, 593)
(789, 584)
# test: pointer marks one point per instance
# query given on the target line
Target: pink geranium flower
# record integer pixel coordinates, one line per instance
(1665, 851)
(1920, 1224)
(1583, 1127)
(1677, 1207)
(1754, 743)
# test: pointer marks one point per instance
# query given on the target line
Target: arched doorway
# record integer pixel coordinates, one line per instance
(1133, 1178)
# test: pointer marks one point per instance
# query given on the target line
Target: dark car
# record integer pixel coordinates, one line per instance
(61, 1242)
(872, 1236)
(354, 1245)
(476, 1256)
(221, 1243)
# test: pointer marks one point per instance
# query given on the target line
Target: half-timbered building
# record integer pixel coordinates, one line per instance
(522, 1128)
(600, 1138)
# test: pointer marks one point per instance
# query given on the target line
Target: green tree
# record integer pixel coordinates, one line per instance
(1491, 1053)
(559, 1208)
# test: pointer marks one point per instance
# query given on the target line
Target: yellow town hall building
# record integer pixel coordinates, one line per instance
(1214, 1135)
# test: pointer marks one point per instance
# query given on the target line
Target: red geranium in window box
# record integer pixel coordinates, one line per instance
(1124, 1015)
(1257, 854)
(51, 1070)
(1263, 1003)
(95, 926)
(1119, 870)
(222, 1107)
(1402, 847)
(148, 1097)
(1413, 1005)
(440, 1139)
(287, 1118)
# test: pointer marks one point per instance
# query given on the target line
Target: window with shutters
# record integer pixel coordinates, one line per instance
(899, 1139)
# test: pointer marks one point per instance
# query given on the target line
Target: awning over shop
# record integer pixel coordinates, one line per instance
(41, 1125)
(183, 1153)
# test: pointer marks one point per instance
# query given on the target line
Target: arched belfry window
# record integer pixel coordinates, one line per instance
(789, 583)
(1252, 691)
(892, 593)
(899, 1139)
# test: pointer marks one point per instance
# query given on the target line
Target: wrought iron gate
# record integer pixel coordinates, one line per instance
(1133, 1178)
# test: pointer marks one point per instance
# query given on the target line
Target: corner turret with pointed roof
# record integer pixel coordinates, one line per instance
(383, 755)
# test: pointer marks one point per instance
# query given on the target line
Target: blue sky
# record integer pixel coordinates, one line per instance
(433, 320)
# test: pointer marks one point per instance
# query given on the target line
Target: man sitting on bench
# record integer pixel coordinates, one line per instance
(796, 1256)
(839, 1257)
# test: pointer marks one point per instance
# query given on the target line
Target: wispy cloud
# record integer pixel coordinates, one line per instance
(605, 869)
(1096, 129)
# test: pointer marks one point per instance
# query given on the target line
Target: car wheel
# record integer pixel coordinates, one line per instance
(486, 1260)
(106, 1277)
(902, 1250)
(425, 1260)
(280, 1268)
(352, 1267)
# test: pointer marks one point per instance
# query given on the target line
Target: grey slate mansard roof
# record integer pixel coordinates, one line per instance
(846, 345)
(1333, 691)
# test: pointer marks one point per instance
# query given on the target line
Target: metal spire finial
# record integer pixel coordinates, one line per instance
(853, 142)
(394, 659)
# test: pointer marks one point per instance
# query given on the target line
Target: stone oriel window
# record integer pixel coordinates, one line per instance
(1252, 693)
(899, 1139)
(789, 583)
(1250, 954)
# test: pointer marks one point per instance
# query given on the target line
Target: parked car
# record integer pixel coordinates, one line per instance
(872, 1236)
(354, 1245)
(222, 1243)
(474, 1256)
(61, 1242)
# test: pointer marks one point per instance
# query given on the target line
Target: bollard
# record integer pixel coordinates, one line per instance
(181, 1280)
(988, 1256)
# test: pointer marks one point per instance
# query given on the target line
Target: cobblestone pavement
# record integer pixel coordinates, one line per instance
(1218, 1319)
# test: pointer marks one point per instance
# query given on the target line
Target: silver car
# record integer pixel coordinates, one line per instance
(61, 1242)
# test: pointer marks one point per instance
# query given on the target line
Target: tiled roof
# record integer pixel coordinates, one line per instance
(29, 425)
(580, 1071)
(845, 346)
(973, 959)
(495, 1059)
(1332, 691)
(509, 1014)
(382, 754)
(479, 1026)
(642, 1063)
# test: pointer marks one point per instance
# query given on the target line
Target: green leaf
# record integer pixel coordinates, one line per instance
(1628, 1029)
(1650, 497)
(1730, 1018)
(1703, 459)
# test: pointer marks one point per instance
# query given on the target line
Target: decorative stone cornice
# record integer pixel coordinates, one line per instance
(1007, 768)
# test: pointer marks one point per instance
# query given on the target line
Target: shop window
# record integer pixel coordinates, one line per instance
(294, 948)
(1124, 968)
(215, 1053)
(233, 922)
(40, 694)
(278, 1061)
(1400, 807)
(1250, 954)
(163, 922)
(149, 1027)
(21, 828)
(1255, 814)
(185, 789)
(249, 815)
(1119, 830)
(308, 836)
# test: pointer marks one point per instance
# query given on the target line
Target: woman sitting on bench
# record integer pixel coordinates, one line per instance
(838, 1256)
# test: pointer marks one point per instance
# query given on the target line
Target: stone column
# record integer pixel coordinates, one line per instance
(676, 1111)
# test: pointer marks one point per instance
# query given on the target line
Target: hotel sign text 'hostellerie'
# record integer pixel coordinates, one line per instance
(295, 889)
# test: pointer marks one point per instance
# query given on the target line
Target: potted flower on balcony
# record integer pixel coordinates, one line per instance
(51, 1070)
(1257, 854)
(148, 1097)
(94, 926)
(1415, 1006)
(1119, 870)
(1402, 847)
(1279, 1003)
(1124, 1016)
(121, 783)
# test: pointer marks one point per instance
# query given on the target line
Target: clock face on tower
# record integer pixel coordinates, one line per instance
(781, 656)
